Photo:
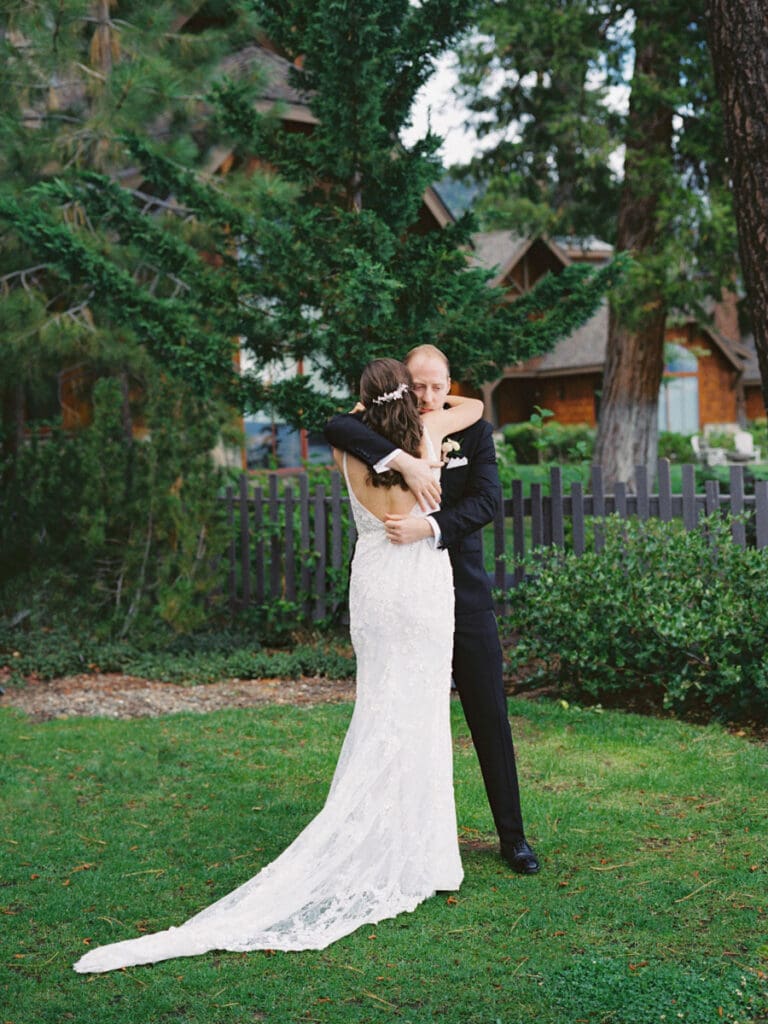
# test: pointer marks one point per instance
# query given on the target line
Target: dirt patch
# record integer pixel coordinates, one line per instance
(117, 696)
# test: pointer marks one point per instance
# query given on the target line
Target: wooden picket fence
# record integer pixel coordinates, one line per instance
(290, 547)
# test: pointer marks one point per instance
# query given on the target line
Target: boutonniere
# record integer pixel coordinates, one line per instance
(450, 449)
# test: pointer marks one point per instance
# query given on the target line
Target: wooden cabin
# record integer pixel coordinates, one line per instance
(710, 376)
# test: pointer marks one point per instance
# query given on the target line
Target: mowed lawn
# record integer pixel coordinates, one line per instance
(652, 904)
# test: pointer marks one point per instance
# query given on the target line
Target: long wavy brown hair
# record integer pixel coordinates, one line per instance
(397, 420)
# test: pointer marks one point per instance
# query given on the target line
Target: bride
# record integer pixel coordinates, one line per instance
(386, 838)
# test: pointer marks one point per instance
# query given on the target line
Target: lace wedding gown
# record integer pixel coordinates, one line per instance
(386, 838)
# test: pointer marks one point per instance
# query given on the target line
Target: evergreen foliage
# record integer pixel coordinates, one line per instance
(120, 251)
(539, 77)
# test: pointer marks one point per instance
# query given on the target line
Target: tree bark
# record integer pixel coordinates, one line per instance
(738, 43)
(627, 430)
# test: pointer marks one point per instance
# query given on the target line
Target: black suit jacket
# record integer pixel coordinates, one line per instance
(471, 495)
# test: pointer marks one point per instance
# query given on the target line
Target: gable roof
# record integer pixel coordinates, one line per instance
(584, 350)
(502, 251)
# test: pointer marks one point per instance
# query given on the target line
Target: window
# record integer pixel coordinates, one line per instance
(679, 394)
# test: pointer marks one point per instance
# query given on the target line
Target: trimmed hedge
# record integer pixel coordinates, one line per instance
(661, 617)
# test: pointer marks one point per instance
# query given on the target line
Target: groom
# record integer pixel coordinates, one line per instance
(470, 495)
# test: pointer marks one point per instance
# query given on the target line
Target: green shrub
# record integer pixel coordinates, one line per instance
(201, 657)
(675, 447)
(130, 530)
(661, 616)
(550, 442)
(759, 431)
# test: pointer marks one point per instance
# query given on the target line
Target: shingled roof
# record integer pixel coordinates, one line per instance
(501, 250)
(277, 73)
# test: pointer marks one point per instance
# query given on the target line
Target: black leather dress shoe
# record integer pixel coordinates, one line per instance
(520, 858)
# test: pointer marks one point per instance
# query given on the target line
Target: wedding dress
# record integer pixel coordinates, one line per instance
(386, 838)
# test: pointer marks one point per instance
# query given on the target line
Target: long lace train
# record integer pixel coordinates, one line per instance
(386, 838)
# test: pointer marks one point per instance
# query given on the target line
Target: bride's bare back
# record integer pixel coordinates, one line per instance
(380, 501)
(393, 501)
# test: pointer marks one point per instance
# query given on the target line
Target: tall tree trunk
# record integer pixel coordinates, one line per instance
(627, 431)
(738, 42)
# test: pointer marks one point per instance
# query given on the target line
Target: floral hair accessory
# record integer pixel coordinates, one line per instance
(391, 396)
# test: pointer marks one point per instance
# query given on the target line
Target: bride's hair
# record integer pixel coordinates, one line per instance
(392, 410)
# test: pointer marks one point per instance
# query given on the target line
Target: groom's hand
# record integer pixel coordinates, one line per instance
(407, 529)
(419, 479)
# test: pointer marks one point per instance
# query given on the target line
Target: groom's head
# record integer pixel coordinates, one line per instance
(431, 376)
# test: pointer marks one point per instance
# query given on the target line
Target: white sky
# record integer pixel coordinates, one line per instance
(436, 105)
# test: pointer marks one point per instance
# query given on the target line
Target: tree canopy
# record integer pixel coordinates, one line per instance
(543, 77)
(310, 247)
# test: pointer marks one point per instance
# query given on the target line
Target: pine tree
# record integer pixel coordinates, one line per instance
(346, 275)
(118, 247)
(670, 209)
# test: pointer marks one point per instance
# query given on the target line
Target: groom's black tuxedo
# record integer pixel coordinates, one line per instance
(470, 495)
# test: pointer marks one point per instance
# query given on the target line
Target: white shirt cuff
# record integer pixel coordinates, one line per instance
(383, 464)
(435, 529)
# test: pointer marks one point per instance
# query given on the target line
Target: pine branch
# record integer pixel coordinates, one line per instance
(165, 326)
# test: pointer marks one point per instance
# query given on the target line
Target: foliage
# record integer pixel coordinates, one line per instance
(552, 442)
(649, 830)
(759, 430)
(126, 528)
(204, 656)
(350, 275)
(543, 77)
(675, 447)
(660, 616)
(721, 439)
(542, 74)
(119, 252)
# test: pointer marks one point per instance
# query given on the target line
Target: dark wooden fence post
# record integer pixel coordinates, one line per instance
(290, 546)
(761, 514)
(518, 531)
(305, 544)
(577, 517)
(232, 574)
(736, 485)
(665, 490)
(258, 545)
(275, 546)
(556, 507)
(245, 543)
(690, 514)
(321, 550)
(598, 508)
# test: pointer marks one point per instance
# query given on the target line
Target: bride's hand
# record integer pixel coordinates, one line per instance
(407, 529)
(419, 479)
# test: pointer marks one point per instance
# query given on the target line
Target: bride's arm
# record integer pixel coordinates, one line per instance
(460, 413)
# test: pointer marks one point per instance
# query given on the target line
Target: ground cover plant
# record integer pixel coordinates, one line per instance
(205, 657)
(651, 905)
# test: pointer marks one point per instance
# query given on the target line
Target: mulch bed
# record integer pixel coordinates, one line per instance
(110, 695)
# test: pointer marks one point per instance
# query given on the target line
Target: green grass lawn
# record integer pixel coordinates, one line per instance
(652, 905)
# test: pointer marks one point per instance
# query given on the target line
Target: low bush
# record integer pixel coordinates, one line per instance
(661, 617)
(675, 447)
(550, 442)
(204, 657)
